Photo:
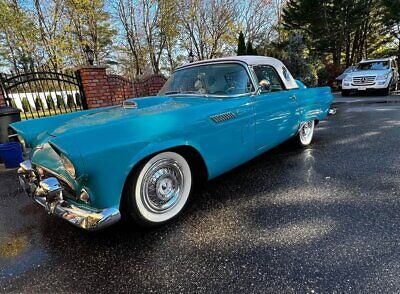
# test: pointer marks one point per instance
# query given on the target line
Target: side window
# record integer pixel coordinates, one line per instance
(268, 74)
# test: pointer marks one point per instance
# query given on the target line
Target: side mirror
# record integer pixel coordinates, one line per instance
(264, 86)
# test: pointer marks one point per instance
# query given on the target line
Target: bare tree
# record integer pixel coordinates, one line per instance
(50, 15)
(257, 20)
(127, 13)
(90, 25)
(209, 25)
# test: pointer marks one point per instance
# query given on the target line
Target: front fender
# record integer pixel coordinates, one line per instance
(107, 172)
(154, 148)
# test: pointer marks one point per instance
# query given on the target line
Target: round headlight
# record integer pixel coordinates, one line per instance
(69, 167)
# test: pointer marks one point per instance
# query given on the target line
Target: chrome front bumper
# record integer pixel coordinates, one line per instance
(49, 193)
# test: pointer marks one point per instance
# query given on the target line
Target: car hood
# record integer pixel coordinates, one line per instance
(367, 73)
(148, 106)
(149, 110)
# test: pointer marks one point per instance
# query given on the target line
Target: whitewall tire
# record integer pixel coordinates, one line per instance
(306, 133)
(159, 189)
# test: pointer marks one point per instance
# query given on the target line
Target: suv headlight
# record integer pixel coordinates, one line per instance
(347, 79)
(69, 167)
(382, 77)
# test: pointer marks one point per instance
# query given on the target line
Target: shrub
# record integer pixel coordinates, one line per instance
(309, 75)
(25, 104)
(50, 102)
(38, 103)
(70, 101)
(78, 99)
(60, 102)
(13, 104)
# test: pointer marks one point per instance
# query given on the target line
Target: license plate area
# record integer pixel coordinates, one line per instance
(362, 88)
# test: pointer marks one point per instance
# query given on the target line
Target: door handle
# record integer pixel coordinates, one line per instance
(292, 97)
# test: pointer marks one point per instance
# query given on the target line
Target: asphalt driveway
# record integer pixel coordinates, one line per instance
(321, 219)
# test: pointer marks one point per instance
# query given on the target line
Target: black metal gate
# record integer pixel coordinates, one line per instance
(43, 93)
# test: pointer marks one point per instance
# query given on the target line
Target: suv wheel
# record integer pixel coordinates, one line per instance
(345, 93)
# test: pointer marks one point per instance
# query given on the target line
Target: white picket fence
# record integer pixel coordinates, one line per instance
(31, 97)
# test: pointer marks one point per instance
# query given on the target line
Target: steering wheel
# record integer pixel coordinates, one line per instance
(230, 89)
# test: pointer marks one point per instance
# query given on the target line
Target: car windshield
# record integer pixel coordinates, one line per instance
(212, 79)
(373, 65)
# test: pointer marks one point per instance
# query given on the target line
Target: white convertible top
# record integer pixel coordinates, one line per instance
(286, 77)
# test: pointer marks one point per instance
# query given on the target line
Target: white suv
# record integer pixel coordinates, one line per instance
(377, 74)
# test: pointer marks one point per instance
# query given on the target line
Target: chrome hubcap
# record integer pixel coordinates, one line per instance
(162, 186)
(306, 131)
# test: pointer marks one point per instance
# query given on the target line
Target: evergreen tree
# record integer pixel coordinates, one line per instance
(241, 45)
(337, 28)
(391, 19)
(249, 49)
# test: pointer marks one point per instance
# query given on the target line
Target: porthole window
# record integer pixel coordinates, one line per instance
(286, 73)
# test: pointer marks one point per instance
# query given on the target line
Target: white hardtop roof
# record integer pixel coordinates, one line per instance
(377, 59)
(249, 59)
(288, 80)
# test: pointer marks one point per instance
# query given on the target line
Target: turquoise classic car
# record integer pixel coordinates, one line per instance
(140, 160)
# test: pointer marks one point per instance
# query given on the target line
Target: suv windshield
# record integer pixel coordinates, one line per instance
(374, 65)
(212, 79)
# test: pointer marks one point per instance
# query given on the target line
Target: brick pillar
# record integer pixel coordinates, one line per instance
(95, 86)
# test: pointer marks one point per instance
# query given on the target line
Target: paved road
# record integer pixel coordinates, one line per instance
(323, 219)
(367, 98)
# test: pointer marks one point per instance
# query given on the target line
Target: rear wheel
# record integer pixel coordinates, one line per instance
(306, 133)
(158, 190)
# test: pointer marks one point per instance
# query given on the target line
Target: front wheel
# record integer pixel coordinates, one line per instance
(306, 133)
(158, 190)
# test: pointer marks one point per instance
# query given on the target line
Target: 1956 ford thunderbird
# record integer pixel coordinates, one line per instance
(141, 159)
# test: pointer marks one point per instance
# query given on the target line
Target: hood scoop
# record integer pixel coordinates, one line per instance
(129, 104)
(222, 117)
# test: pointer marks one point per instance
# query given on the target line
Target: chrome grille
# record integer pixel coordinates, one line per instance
(363, 81)
(219, 118)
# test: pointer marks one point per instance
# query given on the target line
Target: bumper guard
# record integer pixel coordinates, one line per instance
(49, 193)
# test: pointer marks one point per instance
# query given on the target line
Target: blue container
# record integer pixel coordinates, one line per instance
(11, 154)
